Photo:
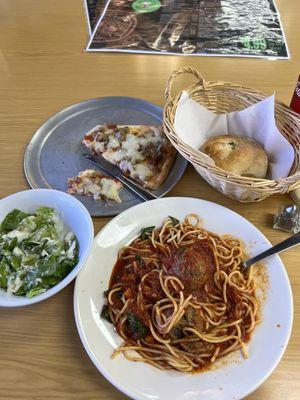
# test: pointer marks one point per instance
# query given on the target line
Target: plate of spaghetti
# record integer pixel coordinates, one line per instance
(165, 310)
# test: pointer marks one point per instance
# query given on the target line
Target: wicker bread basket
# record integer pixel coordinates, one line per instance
(221, 97)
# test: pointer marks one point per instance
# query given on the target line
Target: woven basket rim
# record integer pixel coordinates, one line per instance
(227, 175)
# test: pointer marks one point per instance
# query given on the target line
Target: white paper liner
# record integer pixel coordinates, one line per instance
(194, 124)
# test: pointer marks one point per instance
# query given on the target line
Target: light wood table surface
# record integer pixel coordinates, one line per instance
(43, 68)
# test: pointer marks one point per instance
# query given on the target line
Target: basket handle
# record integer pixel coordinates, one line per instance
(180, 71)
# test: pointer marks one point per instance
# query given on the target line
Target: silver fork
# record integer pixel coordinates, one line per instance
(284, 245)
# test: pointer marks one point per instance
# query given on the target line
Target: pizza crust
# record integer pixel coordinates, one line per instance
(159, 179)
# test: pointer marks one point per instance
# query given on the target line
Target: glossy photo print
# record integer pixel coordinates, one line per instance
(93, 9)
(210, 27)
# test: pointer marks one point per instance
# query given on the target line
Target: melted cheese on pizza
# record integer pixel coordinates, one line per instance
(139, 151)
(93, 183)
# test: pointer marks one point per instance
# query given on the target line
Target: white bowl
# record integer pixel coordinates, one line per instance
(75, 217)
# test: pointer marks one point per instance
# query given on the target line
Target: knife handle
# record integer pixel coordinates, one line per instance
(145, 192)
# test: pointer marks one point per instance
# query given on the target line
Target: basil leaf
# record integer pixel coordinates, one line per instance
(175, 221)
(135, 326)
(176, 332)
(146, 232)
(138, 258)
(12, 220)
(105, 313)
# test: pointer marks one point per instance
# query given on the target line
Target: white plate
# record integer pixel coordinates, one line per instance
(234, 380)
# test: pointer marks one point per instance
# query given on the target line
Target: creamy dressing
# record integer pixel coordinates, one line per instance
(18, 252)
(14, 284)
(36, 253)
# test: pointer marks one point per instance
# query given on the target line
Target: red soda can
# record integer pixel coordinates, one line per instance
(295, 103)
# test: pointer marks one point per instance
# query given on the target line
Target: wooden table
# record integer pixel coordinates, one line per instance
(44, 68)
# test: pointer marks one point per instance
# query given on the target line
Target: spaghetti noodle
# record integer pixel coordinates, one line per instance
(179, 298)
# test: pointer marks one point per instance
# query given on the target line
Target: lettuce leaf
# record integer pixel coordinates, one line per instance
(12, 220)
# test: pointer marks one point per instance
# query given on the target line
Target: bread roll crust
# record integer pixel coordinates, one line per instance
(238, 155)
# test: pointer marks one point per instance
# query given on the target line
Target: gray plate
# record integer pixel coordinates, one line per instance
(54, 153)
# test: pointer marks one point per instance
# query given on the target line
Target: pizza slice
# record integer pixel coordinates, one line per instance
(143, 153)
(94, 183)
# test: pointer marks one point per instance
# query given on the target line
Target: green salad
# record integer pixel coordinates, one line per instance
(35, 251)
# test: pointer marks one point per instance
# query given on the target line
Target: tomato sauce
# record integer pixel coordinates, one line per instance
(194, 265)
